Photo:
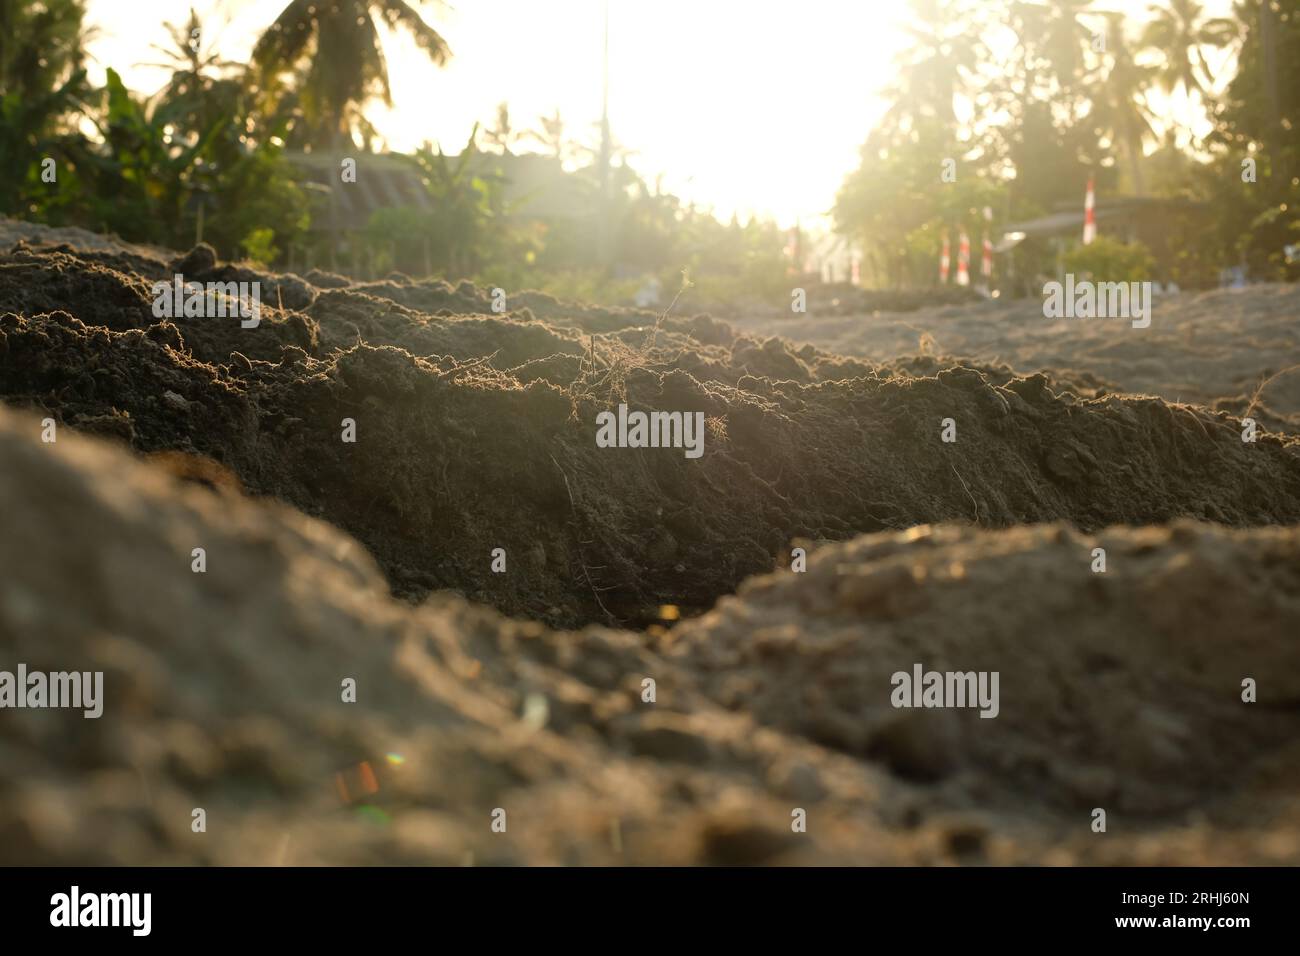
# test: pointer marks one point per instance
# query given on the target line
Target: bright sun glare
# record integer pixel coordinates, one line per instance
(753, 107)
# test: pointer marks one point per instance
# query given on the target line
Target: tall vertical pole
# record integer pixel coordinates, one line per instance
(1272, 98)
(603, 225)
(1090, 212)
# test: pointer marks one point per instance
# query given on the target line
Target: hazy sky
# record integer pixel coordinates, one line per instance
(752, 106)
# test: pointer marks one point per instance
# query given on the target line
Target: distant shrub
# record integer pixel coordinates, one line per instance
(1107, 259)
(578, 285)
(259, 246)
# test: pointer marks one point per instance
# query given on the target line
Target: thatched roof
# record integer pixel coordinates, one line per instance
(382, 181)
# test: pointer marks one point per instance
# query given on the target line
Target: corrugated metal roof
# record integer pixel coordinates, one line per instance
(1115, 207)
(537, 186)
(382, 181)
(1056, 223)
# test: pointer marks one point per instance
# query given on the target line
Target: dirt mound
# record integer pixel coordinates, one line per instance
(477, 431)
(13, 231)
(824, 300)
(841, 298)
(1118, 688)
(222, 691)
(1210, 348)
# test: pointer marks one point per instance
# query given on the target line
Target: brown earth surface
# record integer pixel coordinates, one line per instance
(1209, 348)
(222, 691)
(476, 431)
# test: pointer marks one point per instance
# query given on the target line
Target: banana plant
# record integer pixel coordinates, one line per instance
(143, 165)
(26, 141)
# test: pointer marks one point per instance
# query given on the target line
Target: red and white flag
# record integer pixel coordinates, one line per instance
(945, 260)
(963, 259)
(1089, 214)
(986, 266)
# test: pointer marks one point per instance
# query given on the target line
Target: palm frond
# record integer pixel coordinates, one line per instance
(286, 40)
(399, 15)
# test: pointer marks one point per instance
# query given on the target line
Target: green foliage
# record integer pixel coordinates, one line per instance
(203, 158)
(1052, 108)
(41, 79)
(162, 169)
(1106, 259)
(252, 189)
(896, 205)
(1027, 122)
(333, 56)
(141, 171)
(26, 141)
(1178, 31)
(469, 225)
(1258, 118)
(731, 262)
(259, 246)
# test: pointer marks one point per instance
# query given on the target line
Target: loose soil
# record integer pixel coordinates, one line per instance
(524, 690)
(222, 691)
(476, 431)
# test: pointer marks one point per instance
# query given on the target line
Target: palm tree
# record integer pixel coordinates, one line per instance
(42, 78)
(551, 135)
(1120, 109)
(1179, 32)
(941, 59)
(503, 135)
(203, 88)
(41, 45)
(345, 66)
(1066, 38)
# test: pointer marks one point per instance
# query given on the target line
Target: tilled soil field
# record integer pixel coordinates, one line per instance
(1226, 349)
(525, 689)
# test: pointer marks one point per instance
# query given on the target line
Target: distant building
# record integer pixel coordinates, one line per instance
(832, 256)
(342, 210)
(1154, 222)
(536, 187)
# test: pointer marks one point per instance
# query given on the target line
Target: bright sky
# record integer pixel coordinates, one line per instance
(747, 106)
